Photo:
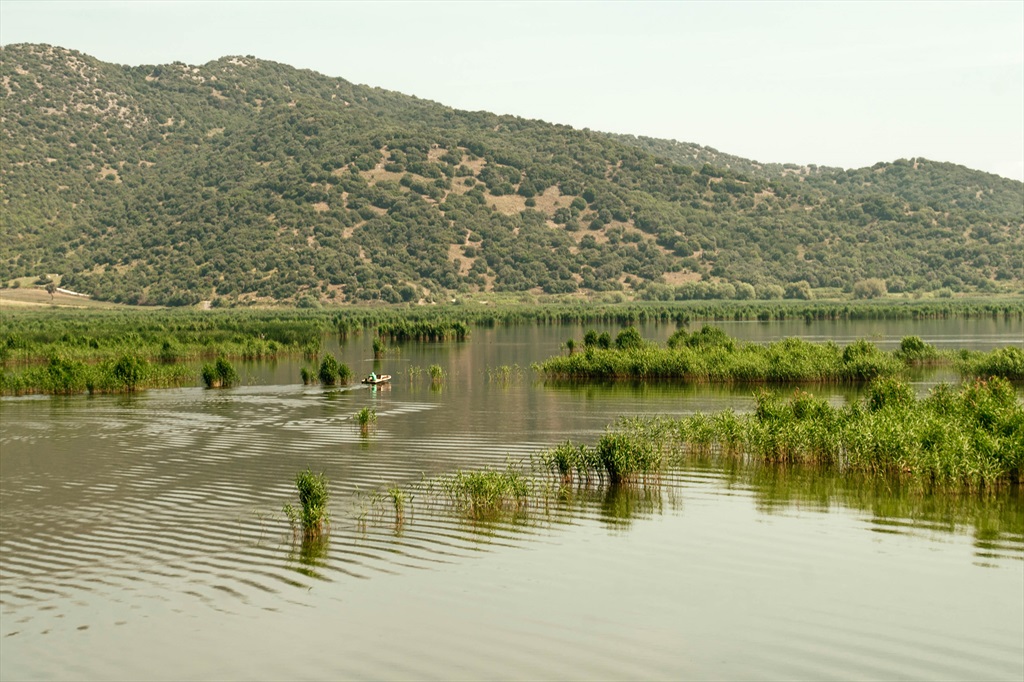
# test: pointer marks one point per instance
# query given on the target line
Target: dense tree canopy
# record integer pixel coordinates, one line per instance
(247, 180)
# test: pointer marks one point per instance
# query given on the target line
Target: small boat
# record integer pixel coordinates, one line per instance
(374, 380)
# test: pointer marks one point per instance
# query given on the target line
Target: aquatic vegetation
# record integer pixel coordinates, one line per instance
(711, 356)
(505, 374)
(1003, 362)
(627, 458)
(220, 374)
(963, 438)
(313, 498)
(367, 419)
(64, 376)
(969, 437)
(332, 372)
(485, 494)
(423, 330)
(914, 351)
(398, 501)
(437, 374)
(379, 348)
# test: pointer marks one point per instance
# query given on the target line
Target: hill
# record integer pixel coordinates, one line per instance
(244, 180)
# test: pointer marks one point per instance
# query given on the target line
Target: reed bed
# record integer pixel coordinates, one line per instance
(31, 336)
(61, 375)
(966, 438)
(431, 331)
(1003, 362)
(709, 355)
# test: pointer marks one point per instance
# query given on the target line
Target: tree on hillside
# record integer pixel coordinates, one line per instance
(870, 288)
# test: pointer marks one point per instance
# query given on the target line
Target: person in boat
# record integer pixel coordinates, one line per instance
(373, 376)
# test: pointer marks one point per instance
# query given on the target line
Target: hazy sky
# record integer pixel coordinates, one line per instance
(839, 84)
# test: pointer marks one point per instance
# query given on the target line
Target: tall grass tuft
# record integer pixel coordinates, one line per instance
(367, 419)
(313, 497)
(437, 374)
(220, 374)
(505, 374)
(1007, 363)
(486, 494)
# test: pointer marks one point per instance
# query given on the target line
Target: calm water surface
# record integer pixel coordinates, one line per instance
(142, 538)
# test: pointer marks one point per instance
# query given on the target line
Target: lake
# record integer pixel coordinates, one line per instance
(142, 536)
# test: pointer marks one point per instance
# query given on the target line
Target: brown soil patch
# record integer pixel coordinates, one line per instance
(378, 174)
(465, 264)
(107, 170)
(476, 165)
(677, 278)
(551, 200)
(509, 204)
(321, 207)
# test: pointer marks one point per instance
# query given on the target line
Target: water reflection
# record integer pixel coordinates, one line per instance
(993, 518)
(311, 552)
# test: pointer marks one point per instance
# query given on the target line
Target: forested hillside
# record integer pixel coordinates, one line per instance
(243, 180)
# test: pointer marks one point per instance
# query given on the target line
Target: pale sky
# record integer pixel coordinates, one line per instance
(834, 83)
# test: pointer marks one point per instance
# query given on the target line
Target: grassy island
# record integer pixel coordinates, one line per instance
(709, 355)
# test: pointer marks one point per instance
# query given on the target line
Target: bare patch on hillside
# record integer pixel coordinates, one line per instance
(321, 207)
(677, 278)
(551, 200)
(108, 171)
(509, 204)
(455, 254)
(378, 174)
(476, 165)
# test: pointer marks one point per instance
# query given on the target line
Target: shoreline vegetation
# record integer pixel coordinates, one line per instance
(710, 356)
(162, 340)
(958, 446)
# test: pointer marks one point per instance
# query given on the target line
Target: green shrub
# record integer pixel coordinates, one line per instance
(220, 374)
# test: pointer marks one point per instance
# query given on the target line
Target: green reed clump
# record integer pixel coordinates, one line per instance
(627, 457)
(219, 374)
(328, 371)
(398, 499)
(63, 376)
(571, 462)
(437, 374)
(367, 419)
(505, 374)
(1007, 363)
(313, 497)
(486, 494)
(308, 376)
(914, 351)
(130, 371)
